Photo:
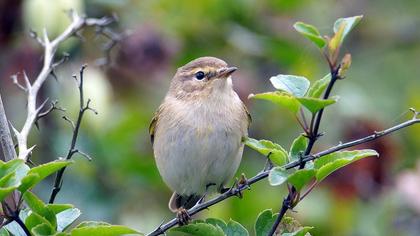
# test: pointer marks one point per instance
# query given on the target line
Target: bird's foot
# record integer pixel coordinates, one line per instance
(237, 186)
(183, 216)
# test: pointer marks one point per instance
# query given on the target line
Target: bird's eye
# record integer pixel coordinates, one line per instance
(199, 75)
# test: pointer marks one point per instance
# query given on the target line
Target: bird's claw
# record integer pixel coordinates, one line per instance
(183, 216)
(237, 185)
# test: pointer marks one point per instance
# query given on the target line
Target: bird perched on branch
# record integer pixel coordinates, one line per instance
(197, 132)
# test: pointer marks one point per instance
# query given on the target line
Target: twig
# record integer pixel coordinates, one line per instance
(313, 137)
(264, 174)
(50, 48)
(76, 126)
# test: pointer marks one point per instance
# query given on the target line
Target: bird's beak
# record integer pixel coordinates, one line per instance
(226, 72)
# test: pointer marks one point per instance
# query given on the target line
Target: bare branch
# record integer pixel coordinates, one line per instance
(50, 48)
(16, 82)
(70, 122)
(76, 126)
(34, 35)
(264, 174)
(48, 111)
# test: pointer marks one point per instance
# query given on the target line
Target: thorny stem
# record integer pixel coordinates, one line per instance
(264, 174)
(72, 149)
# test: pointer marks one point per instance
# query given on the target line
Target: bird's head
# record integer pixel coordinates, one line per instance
(201, 78)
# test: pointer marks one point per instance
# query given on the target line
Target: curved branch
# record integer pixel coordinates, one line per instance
(264, 174)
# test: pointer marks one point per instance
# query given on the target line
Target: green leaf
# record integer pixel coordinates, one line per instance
(301, 177)
(295, 85)
(329, 163)
(311, 33)
(42, 230)
(318, 87)
(216, 222)
(37, 206)
(265, 221)
(35, 219)
(282, 99)
(300, 232)
(4, 232)
(36, 174)
(93, 228)
(335, 43)
(277, 176)
(316, 104)
(11, 175)
(57, 208)
(298, 147)
(66, 218)
(348, 24)
(274, 151)
(235, 229)
(198, 229)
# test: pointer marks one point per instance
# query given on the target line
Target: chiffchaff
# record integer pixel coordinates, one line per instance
(197, 132)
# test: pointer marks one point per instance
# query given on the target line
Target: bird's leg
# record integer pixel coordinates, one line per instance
(205, 193)
(238, 184)
(183, 216)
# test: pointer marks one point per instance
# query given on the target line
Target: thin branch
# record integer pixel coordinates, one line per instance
(313, 137)
(76, 126)
(22, 225)
(264, 174)
(50, 48)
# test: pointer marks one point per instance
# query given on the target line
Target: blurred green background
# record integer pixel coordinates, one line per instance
(122, 186)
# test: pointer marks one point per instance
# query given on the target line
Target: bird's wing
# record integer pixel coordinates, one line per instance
(248, 115)
(152, 126)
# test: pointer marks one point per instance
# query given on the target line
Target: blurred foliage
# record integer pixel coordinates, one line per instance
(121, 185)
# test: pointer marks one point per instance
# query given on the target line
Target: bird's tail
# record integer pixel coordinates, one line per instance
(177, 201)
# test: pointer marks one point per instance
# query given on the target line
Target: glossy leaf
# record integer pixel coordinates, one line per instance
(232, 228)
(329, 163)
(348, 22)
(4, 232)
(42, 230)
(38, 173)
(295, 85)
(278, 175)
(315, 104)
(298, 178)
(11, 175)
(93, 228)
(274, 151)
(37, 206)
(66, 218)
(311, 33)
(198, 229)
(235, 229)
(301, 177)
(298, 147)
(35, 219)
(265, 221)
(282, 99)
(319, 86)
(57, 208)
(300, 232)
(337, 39)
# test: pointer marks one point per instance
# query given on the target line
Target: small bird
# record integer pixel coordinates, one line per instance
(197, 132)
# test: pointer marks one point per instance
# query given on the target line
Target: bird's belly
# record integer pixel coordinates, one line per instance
(195, 157)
